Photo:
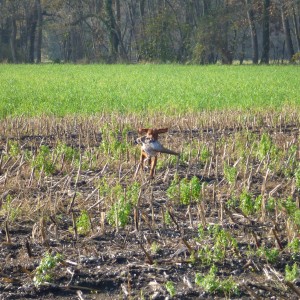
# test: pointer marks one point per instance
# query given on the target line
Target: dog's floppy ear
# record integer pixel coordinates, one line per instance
(143, 130)
(162, 130)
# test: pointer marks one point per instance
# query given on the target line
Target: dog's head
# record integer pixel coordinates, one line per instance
(152, 133)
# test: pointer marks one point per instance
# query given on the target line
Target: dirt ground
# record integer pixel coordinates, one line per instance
(137, 261)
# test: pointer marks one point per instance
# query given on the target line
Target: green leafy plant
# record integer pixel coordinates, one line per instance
(13, 148)
(292, 273)
(83, 223)
(271, 255)
(154, 247)
(290, 205)
(123, 202)
(204, 154)
(170, 288)
(294, 246)
(211, 283)
(132, 192)
(187, 191)
(9, 210)
(167, 218)
(270, 205)
(247, 204)
(264, 146)
(43, 161)
(69, 153)
(118, 214)
(222, 241)
(296, 217)
(297, 178)
(45, 272)
(230, 174)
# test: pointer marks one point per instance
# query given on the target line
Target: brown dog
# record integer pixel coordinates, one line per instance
(150, 147)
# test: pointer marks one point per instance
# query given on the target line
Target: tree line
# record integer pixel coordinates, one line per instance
(181, 31)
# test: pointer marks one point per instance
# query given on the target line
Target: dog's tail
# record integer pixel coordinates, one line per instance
(168, 151)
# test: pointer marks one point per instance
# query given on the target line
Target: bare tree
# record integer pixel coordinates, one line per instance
(254, 40)
(266, 32)
(287, 32)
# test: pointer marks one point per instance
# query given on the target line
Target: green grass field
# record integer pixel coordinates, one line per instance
(86, 89)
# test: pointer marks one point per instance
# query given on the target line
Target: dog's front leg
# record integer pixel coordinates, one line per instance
(153, 165)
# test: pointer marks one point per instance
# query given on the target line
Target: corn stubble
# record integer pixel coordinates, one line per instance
(71, 179)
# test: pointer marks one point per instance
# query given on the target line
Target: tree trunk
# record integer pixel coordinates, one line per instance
(142, 8)
(13, 35)
(266, 33)
(206, 7)
(32, 22)
(39, 32)
(287, 34)
(112, 28)
(250, 14)
(122, 49)
(296, 28)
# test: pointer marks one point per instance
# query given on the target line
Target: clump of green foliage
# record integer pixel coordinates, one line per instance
(212, 284)
(43, 160)
(270, 254)
(83, 223)
(230, 174)
(13, 148)
(170, 288)
(248, 204)
(292, 273)
(187, 191)
(45, 272)
(123, 202)
(221, 244)
(8, 210)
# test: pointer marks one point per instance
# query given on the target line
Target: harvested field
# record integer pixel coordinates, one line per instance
(221, 222)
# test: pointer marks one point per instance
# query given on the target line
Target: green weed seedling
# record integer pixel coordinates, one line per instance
(43, 161)
(291, 164)
(297, 178)
(187, 191)
(45, 272)
(8, 210)
(264, 146)
(154, 247)
(119, 213)
(13, 148)
(290, 206)
(271, 255)
(123, 202)
(271, 204)
(114, 143)
(294, 246)
(132, 192)
(83, 223)
(292, 273)
(170, 288)
(212, 284)
(222, 241)
(204, 154)
(247, 204)
(296, 218)
(68, 152)
(230, 174)
(167, 217)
